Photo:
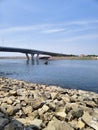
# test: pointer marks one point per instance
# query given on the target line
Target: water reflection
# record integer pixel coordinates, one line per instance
(33, 62)
(27, 62)
(37, 61)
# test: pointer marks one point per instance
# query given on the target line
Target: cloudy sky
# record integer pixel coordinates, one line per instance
(64, 26)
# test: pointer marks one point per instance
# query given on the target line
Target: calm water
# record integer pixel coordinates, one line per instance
(78, 74)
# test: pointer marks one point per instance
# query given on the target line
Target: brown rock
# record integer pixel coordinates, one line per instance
(10, 110)
(42, 110)
(27, 109)
(80, 124)
(87, 118)
(54, 95)
(37, 122)
(58, 125)
(37, 103)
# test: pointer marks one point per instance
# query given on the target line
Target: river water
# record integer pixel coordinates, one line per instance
(75, 74)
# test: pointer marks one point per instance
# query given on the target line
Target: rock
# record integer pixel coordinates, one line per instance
(9, 101)
(77, 114)
(37, 103)
(88, 129)
(52, 106)
(37, 122)
(66, 98)
(14, 125)
(27, 106)
(60, 115)
(1, 114)
(3, 122)
(3, 107)
(13, 92)
(58, 125)
(42, 110)
(73, 124)
(10, 110)
(96, 100)
(87, 118)
(32, 127)
(80, 124)
(48, 117)
(19, 113)
(21, 92)
(96, 110)
(22, 120)
(90, 104)
(54, 95)
(46, 95)
(27, 109)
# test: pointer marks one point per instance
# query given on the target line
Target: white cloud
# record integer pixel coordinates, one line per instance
(82, 37)
(71, 26)
(81, 22)
(53, 30)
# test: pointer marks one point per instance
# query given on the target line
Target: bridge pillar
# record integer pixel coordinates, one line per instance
(27, 56)
(37, 56)
(32, 59)
(37, 59)
(32, 56)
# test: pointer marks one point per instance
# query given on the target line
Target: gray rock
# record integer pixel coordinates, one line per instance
(1, 114)
(14, 125)
(3, 122)
(77, 114)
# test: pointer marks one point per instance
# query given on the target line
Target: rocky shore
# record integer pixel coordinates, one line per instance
(27, 106)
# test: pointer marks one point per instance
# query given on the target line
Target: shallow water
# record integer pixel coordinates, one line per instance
(76, 74)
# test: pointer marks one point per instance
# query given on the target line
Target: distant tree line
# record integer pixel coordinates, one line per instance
(92, 55)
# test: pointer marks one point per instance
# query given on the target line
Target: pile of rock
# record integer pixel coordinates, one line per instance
(27, 106)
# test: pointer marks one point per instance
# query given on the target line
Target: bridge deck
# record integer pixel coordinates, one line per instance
(29, 51)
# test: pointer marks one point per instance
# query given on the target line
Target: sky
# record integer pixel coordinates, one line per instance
(63, 26)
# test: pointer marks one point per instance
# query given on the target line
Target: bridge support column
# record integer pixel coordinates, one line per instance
(37, 59)
(32, 59)
(27, 56)
(37, 56)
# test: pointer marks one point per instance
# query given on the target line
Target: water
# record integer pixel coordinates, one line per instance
(75, 74)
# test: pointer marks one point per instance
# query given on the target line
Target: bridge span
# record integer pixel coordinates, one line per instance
(32, 52)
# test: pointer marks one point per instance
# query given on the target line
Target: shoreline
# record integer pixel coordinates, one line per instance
(55, 58)
(40, 107)
(73, 58)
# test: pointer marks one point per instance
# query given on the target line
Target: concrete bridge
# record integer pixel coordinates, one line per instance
(32, 52)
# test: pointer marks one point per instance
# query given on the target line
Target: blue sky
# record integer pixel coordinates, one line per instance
(64, 26)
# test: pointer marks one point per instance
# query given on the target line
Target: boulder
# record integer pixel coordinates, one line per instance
(3, 122)
(37, 122)
(37, 103)
(88, 119)
(58, 125)
(77, 113)
(42, 110)
(80, 124)
(27, 109)
(10, 110)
